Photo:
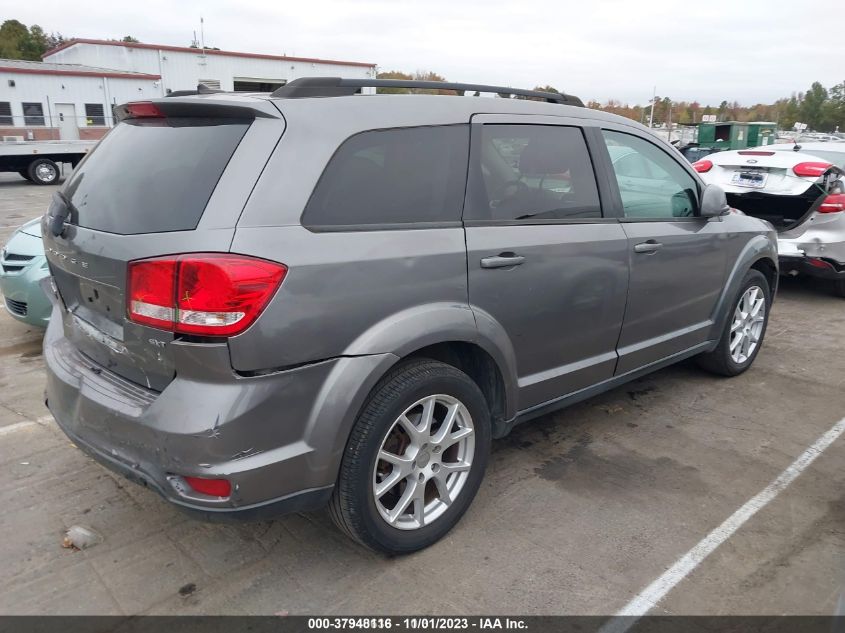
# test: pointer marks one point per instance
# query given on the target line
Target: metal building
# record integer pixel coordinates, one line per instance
(46, 101)
(182, 68)
(71, 93)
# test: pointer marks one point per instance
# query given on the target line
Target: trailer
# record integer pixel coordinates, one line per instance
(39, 161)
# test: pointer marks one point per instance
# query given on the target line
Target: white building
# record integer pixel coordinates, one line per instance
(71, 93)
(182, 68)
(42, 101)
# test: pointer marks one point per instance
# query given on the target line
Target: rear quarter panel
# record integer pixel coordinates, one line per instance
(355, 293)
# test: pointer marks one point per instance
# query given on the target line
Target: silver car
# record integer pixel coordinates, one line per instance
(800, 189)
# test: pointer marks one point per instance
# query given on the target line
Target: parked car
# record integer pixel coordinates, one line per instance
(802, 193)
(315, 298)
(831, 152)
(22, 267)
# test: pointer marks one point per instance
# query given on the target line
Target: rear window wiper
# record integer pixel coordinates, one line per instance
(58, 213)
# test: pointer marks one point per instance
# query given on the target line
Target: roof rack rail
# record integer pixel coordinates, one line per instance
(339, 87)
(202, 89)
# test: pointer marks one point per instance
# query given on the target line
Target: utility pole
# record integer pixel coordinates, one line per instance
(670, 121)
(202, 35)
(651, 115)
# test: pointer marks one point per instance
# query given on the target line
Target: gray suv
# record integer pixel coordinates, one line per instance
(271, 303)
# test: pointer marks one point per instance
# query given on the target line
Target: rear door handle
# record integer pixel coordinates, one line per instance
(502, 260)
(648, 247)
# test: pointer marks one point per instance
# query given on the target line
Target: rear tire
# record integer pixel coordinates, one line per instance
(435, 476)
(43, 171)
(743, 335)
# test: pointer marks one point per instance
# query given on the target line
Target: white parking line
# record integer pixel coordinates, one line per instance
(6, 430)
(657, 590)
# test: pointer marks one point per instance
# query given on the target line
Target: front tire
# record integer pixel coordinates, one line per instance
(743, 334)
(43, 171)
(415, 458)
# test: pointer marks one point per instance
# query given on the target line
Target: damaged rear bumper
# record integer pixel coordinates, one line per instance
(793, 265)
(303, 501)
(816, 249)
(257, 432)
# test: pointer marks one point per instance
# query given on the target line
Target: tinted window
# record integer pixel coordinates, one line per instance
(152, 176)
(652, 184)
(398, 176)
(33, 114)
(532, 172)
(5, 113)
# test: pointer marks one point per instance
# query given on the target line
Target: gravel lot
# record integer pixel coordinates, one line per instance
(579, 512)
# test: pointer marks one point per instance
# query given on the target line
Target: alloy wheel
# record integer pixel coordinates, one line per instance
(423, 462)
(747, 326)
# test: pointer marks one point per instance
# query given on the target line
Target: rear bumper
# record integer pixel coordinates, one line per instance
(277, 438)
(297, 502)
(802, 265)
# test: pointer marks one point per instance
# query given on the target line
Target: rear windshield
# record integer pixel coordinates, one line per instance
(152, 176)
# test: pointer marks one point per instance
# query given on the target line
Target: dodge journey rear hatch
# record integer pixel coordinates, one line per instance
(151, 213)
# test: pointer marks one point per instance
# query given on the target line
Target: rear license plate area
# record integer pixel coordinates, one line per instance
(752, 179)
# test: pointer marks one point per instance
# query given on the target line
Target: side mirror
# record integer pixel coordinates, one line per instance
(713, 202)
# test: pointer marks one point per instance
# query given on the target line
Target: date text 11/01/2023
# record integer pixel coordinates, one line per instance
(417, 623)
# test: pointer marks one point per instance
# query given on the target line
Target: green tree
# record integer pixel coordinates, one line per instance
(12, 35)
(420, 75)
(790, 112)
(35, 44)
(54, 40)
(393, 74)
(812, 109)
(835, 108)
(18, 42)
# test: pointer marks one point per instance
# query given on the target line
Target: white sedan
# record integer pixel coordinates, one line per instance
(801, 193)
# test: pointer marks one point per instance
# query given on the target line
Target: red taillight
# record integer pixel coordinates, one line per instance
(834, 203)
(210, 294)
(755, 152)
(702, 166)
(210, 487)
(143, 109)
(820, 263)
(810, 169)
(151, 289)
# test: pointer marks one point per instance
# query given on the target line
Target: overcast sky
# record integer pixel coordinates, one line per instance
(748, 50)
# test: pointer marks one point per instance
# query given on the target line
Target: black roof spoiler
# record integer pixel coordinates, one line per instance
(339, 87)
(202, 89)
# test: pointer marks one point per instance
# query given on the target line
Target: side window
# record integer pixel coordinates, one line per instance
(5, 113)
(33, 114)
(94, 114)
(531, 172)
(397, 176)
(652, 184)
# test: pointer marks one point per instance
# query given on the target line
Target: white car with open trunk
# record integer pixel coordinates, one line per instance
(802, 194)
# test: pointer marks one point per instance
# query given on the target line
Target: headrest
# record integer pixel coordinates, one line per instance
(543, 156)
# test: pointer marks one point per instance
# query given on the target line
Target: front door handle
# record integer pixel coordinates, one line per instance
(502, 260)
(648, 247)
